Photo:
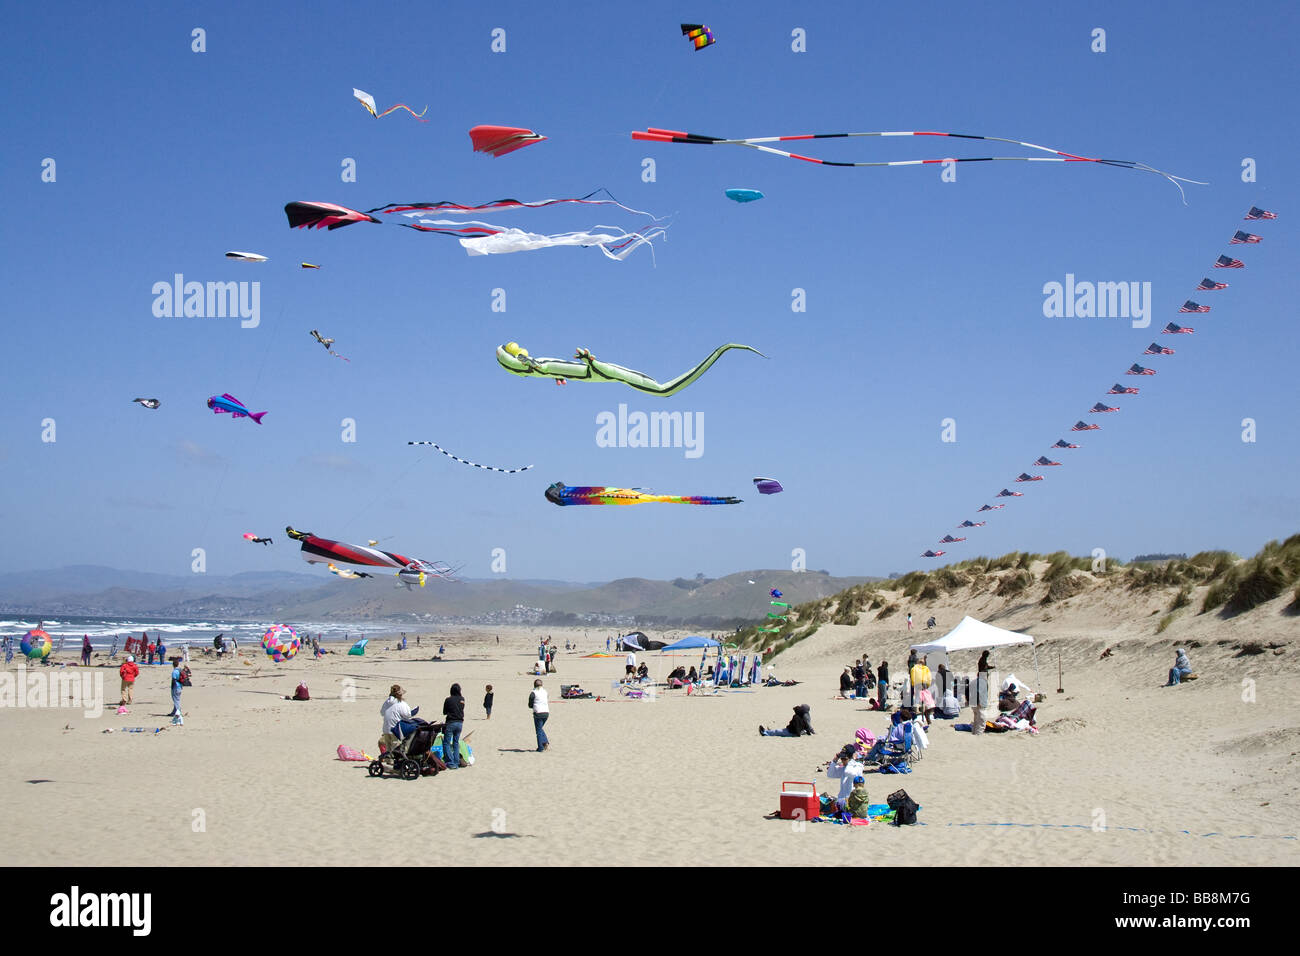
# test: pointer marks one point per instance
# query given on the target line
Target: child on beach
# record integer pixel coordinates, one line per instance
(487, 701)
(858, 801)
(129, 671)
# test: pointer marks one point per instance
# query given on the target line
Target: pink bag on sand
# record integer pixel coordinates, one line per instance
(347, 753)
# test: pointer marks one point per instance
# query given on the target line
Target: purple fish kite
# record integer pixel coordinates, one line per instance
(221, 404)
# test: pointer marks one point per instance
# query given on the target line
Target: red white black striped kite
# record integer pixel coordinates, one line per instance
(657, 135)
(1257, 213)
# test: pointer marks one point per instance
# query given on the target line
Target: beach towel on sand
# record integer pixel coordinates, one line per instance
(347, 753)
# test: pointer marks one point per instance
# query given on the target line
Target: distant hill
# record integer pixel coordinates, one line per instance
(106, 592)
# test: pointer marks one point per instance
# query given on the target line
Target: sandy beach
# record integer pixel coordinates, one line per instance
(1120, 770)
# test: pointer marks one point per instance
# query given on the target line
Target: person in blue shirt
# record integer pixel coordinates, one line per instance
(177, 684)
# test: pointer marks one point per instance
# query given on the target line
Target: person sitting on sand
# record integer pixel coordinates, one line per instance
(398, 714)
(858, 801)
(844, 768)
(1182, 668)
(643, 672)
(846, 681)
(1009, 698)
(800, 724)
(894, 737)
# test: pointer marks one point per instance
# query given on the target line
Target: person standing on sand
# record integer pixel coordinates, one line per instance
(177, 683)
(453, 708)
(882, 683)
(85, 651)
(540, 705)
(487, 701)
(129, 671)
(909, 620)
(979, 698)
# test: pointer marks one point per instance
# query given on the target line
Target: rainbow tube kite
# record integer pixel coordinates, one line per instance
(561, 494)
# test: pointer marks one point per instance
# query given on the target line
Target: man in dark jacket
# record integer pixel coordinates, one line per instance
(453, 709)
(800, 724)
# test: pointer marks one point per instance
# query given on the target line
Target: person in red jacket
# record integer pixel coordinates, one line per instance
(129, 671)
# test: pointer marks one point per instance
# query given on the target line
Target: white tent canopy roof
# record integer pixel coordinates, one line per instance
(972, 635)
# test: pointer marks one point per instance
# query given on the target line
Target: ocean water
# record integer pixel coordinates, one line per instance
(104, 631)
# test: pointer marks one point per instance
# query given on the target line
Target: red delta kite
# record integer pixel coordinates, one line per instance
(1136, 369)
(1062, 443)
(1081, 427)
(1099, 407)
(1118, 389)
(499, 140)
(1004, 493)
(1043, 461)
(949, 539)
(1190, 306)
(1226, 262)
(1157, 349)
(991, 507)
(1209, 285)
(1024, 476)
(1244, 238)
(972, 524)
(933, 554)
(1173, 328)
(1256, 213)
(323, 215)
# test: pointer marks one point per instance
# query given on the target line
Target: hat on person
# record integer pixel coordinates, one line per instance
(859, 779)
(130, 657)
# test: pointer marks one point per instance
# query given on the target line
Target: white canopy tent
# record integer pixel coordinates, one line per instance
(973, 635)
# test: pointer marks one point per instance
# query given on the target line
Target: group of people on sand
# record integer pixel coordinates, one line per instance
(401, 720)
(180, 678)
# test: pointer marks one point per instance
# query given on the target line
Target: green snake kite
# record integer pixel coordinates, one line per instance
(585, 367)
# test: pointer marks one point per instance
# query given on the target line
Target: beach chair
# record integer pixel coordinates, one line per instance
(905, 752)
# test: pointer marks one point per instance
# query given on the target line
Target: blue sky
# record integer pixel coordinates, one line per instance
(924, 298)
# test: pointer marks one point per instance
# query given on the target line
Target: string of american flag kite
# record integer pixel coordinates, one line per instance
(1155, 348)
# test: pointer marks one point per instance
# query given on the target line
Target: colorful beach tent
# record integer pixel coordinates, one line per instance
(359, 647)
(692, 643)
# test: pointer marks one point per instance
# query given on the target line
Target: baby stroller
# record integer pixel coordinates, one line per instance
(411, 756)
